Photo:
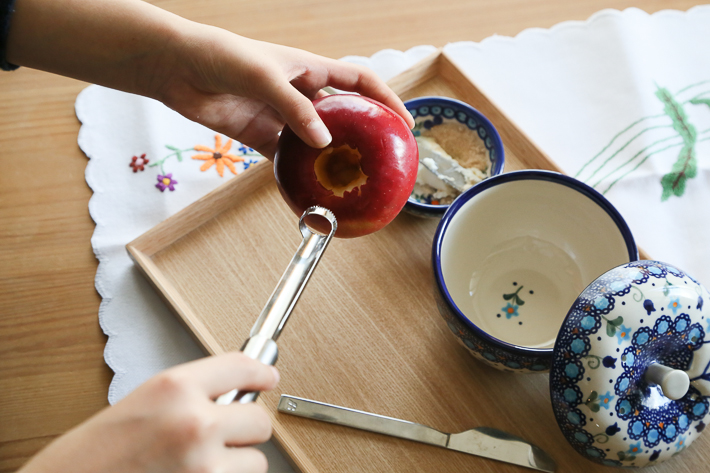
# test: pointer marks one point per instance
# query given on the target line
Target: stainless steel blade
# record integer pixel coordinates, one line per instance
(502, 446)
(483, 441)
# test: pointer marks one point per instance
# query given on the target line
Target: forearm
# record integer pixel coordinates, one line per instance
(116, 43)
(243, 88)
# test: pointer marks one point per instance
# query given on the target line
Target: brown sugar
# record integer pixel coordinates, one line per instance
(461, 144)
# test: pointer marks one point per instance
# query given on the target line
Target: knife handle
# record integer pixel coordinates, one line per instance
(361, 420)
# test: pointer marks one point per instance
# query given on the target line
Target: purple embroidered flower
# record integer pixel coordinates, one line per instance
(166, 182)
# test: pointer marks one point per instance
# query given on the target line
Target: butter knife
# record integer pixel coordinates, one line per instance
(448, 171)
(482, 441)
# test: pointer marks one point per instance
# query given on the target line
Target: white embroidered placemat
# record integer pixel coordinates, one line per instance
(621, 101)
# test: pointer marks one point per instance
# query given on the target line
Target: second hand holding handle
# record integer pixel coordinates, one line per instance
(261, 344)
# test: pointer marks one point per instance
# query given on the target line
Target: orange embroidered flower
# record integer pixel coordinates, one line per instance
(217, 156)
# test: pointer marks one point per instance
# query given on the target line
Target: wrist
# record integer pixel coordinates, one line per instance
(200, 62)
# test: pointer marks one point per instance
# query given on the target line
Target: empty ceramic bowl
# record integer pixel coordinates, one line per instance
(537, 271)
(512, 254)
(465, 135)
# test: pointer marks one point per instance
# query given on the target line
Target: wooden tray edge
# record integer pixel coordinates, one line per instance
(201, 211)
(172, 229)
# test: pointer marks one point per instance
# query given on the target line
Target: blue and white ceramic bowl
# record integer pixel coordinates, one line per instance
(630, 379)
(430, 112)
(513, 253)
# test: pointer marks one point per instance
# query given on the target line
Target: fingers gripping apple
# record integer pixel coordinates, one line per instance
(364, 176)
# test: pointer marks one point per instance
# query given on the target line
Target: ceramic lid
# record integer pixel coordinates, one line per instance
(630, 376)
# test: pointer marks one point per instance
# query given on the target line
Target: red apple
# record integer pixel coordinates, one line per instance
(364, 176)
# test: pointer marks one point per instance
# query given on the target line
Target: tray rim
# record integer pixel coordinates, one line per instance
(167, 232)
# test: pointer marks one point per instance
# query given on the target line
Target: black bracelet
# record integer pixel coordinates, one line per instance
(7, 8)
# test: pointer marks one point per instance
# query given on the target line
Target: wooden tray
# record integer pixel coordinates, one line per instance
(366, 333)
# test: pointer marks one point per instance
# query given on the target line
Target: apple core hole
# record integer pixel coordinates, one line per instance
(317, 224)
(338, 169)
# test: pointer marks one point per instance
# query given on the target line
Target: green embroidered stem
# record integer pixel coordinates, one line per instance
(614, 139)
(697, 100)
(630, 160)
(693, 85)
(176, 152)
(643, 160)
(621, 149)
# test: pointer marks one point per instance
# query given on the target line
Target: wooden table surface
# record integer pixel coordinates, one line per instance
(52, 372)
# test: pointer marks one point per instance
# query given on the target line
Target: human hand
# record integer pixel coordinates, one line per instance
(240, 87)
(249, 89)
(171, 424)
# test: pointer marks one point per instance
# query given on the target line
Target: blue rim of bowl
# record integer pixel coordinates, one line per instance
(540, 175)
(495, 137)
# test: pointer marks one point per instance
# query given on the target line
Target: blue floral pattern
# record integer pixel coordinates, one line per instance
(479, 347)
(429, 112)
(643, 312)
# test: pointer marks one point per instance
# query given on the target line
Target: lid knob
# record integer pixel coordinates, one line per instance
(674, 383)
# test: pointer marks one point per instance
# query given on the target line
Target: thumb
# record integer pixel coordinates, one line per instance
(300, 115)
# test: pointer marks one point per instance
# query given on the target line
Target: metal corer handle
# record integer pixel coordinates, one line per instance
(261, 344)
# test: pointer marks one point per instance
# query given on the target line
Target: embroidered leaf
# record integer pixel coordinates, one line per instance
(685, 166)
(700, 101)
(677, 115)
(171, 148)
(179, 155)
